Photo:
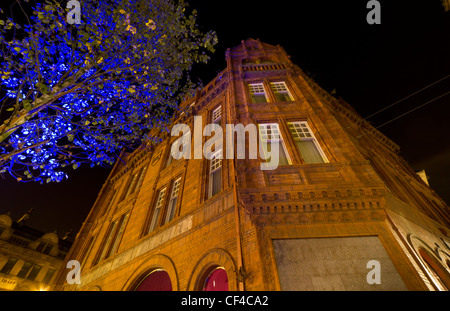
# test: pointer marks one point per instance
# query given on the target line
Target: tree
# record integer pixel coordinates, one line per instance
(77, 94)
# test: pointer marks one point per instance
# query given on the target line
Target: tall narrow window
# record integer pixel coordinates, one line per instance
(106, 245)
(133, 183)
(217, 115)
(173, 149)
(111, 202)
(34, 272)
(48, 276)
(47, 249)
(257, 93)
(24, 270)
(9, 265)
(270, 135)
(306, 143)
(118, 236)
(141, 178)
(157, 210)
(171, 207)
(281, 92)
(215, 173)
(40, 247)
(87, 250)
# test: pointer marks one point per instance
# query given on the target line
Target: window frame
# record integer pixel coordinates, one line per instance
(117, 238)
(280, 139)
(251, 86)
(312, 138)
(168, 208)
(158, 204)
(32, 274)
(106, 242)
(23, 275)
(212, 169)
(48, 276)
(274, 88)
(10, 268)
(214, 118)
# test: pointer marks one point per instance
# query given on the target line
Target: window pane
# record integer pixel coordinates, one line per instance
(283, 97)
(171, 209)
(47, 249)
(123, 223)
(34, 272)
(24, 270)
(282, 158)
(48, 276)
(156, 212)
(108, 240)
(306, 143)
(216, 182)
(40, 247)
(270, 134)
(141, 178)
(309, 151)
(257, 93)
(281, 92)
(9, 265)
(87, 250)
(173, 200)
(261, 98)
(131, 186)
(217, 114)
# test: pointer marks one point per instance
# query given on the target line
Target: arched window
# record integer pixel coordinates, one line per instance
(157, 281)
(437, 269)
(216, 280)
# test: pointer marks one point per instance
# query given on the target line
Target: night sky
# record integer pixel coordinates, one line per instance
(370, 66)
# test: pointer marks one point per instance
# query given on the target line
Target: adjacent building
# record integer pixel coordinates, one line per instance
(340, 211)
(29, 259)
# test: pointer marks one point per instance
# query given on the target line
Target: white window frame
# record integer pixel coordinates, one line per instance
(216, 164)
(157, 210)
(274, 135)
(217, 115)
(171, 206)
(257, 87)
(281, 87)
(303, 132)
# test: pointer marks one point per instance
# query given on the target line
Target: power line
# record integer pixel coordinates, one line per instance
(399, 101)
(414, 109)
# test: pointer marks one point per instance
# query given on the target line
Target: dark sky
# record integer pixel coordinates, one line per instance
(370, 66)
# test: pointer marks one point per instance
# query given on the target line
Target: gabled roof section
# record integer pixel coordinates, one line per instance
(252, 44)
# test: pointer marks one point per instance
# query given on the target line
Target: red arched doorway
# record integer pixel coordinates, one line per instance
(156, 281)
(216, 280)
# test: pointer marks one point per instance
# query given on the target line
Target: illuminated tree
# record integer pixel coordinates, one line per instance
(77, 94)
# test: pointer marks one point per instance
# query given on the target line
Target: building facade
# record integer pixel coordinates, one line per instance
(341, 212)
(29, 259)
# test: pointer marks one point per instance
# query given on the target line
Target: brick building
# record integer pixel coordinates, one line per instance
(29, 258)
(341, 200)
